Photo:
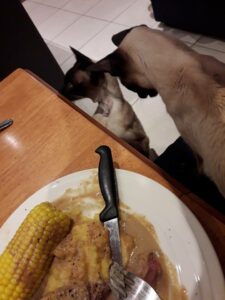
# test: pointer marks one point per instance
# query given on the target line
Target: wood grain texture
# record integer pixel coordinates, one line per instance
(50, 138)
(47, 140)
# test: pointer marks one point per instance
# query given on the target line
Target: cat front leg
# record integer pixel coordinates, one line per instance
(101, 119)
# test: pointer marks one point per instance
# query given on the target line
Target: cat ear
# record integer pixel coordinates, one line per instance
(110, 64)
(81, 58)
(118, 37)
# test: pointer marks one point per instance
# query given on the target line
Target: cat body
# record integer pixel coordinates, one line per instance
(191, 85)
(113, 111)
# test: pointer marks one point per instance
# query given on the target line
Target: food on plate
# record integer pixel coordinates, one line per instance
(82, 261)
(80, 269)
(27, 257)
(61, 252)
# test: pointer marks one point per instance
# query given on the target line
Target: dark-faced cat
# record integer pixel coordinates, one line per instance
(113, 111)
(191, 85)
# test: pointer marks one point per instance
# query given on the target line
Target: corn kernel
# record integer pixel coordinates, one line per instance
(26, 259)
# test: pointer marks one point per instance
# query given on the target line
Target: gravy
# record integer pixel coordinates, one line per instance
(143, 239)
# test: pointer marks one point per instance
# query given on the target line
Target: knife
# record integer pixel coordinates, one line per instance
(108, 186)
(6, 123)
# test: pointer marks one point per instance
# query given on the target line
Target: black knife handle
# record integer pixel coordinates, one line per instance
(107, 182)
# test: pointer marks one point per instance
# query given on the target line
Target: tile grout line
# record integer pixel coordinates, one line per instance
(92, 17)
(135, 101)
(64, 63)
(53, 40)
(56, 46)
(94, 35)
(196, 41)
(80, 16)
(48, 5)
(92, 6)
(124, 10)
(47, 18)
(78, 13)
(116, 23)
(58, 9)
(213, 49)
(39, 24)
(85, 15)
(88, 40)
(109, 22)
(65, 60)
(112, 21)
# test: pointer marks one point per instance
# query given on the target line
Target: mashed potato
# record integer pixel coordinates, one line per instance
(80, 269)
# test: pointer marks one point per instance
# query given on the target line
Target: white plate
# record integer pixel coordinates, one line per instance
(181, 236)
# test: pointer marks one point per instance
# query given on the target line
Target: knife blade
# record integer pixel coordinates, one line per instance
(5, 124)
(108, 186)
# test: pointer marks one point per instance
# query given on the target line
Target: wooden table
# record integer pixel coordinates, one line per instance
(51, 138)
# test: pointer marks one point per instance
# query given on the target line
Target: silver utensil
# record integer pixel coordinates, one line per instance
(135, 287)
(6, 123)
(108, 186)
(124, 285)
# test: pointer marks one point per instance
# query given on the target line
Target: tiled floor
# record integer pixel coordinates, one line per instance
(88, 26)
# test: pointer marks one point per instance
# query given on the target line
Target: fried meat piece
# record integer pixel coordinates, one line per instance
(98, 291)
(154, 270)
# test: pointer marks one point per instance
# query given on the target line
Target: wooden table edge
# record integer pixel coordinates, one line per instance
(178, 186)
(179, 190)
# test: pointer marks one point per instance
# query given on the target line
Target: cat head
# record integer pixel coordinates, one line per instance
(124, 61)
(80, 82)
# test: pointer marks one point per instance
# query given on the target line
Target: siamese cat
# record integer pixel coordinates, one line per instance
(191, 85)
(113, 111)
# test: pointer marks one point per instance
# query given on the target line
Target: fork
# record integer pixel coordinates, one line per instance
(135, 288)
(124, 285)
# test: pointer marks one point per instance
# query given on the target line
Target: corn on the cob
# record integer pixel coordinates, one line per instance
(28, 256)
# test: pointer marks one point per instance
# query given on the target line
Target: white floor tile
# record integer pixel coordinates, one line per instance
(182, 35)
(130, 96)
(138, 13)
(157, 123)
(67, 64)
(80, 6)
(86, 105)
(163, 135)
(54, 3)
(60, 54)
(217, 54)
(109, 9)
(80, 32)
(28, 5)
(93, 38)
(37, 12)
(56, 24)
(101, 44)
(36, 1)
(212, 43)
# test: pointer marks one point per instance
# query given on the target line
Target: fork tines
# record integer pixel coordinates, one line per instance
(117, 281)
